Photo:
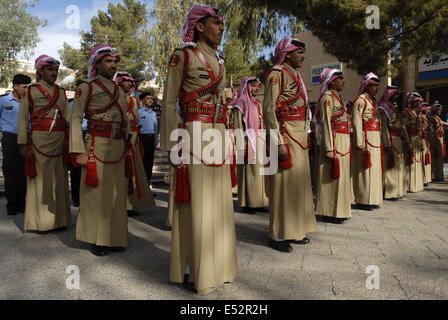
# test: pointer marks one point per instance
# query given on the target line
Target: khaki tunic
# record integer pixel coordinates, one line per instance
(103, 218)
(426, 136)
(203, 234)
(367, 183)
(333, 195)
(251, 182)
(290, 195)
(415, 169)
(47, 197)
(134, 203)
(437, 144)
(393, 178)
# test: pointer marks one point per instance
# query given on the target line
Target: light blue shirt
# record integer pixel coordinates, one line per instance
(148, 121)
(84, 125)
(9, 114)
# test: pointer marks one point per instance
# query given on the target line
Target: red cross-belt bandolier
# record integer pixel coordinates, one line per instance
(40, 123)
(371, 124)
(105, 129)
(288, 111)
(203, 111)
(135, 128)
(341, 127)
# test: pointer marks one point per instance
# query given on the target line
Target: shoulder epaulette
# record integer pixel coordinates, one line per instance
(88, 80)
(277, 68)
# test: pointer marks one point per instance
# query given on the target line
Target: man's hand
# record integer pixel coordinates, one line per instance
(22, 150)
(282, 152)
(360, 147)
(330, 154)
(82, 159)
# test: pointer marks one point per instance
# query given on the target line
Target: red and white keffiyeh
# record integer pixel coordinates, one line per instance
(245, 103)
(96, 54)
(125, 76)
(369, 78)
(42, 61)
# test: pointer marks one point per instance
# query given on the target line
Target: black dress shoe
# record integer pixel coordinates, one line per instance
(76, 204)
(303, 241)
(21, 209)
(426, 184)
(263, 210)
(117, 249)
(282, 246)
(99, 251)
(375, 206)
(365, 207)
(42, 232)
(187, 285)
(248, 210)
(132, 213)
(392, 199)
(11, 212)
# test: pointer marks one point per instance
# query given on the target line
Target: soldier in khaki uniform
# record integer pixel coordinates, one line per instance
(334, 189)
(248, 118)
(102, 219)
(45, 105)
(423, 111)
(437, 142)
(392, 136)
(413, 129)
(140, 193)
(367, 181)
(203, 244)
(285, 111)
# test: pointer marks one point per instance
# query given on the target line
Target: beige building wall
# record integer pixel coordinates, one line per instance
(315, 55)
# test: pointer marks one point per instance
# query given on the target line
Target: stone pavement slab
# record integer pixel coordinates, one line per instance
(407, 240)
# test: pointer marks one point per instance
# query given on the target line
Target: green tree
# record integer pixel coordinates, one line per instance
(18, 33)
(248, 32)
(407, 29)
(123, 27)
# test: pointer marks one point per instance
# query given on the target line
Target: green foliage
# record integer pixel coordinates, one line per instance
(406, 28)
(18, 33)
(248, 32)
(123, 27)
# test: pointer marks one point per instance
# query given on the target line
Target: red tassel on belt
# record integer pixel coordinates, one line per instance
(427, 158)
(182, 184)
(233, 171)
(91, 179)
(30, 162)
(287, 164)
(336, 173)
(367, 159)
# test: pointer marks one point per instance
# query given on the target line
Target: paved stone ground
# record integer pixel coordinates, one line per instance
(407, 240)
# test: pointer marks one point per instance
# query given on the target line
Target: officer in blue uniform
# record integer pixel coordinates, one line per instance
(13, 162)
(75, 173)
(147, 118)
